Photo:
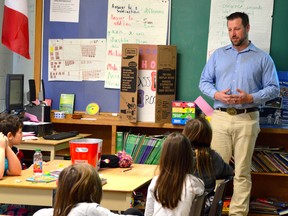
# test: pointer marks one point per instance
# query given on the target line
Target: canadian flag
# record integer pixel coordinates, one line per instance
(15, 33)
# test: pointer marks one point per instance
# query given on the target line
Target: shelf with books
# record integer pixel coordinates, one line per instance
(271, 184)
(106, 125)
(270, 161)
(144, 149)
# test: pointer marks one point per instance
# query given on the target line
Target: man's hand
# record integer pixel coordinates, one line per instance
(241, 98)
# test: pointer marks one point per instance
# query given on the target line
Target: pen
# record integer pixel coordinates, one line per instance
(127, 169)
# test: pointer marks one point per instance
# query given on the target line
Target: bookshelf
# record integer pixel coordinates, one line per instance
(271, 184)
(265, 184)
(105, 126)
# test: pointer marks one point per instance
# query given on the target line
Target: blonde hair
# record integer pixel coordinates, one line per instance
(77, 183)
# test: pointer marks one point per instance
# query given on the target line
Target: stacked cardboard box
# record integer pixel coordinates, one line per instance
(182, 112)
(148, 82)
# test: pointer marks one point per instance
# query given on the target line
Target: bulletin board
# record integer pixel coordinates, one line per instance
(92, 24)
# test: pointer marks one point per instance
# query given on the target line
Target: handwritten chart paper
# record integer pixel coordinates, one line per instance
(132, 21)
(76, 59)
(260, 16)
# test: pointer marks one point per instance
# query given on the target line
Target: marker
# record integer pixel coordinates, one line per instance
(127, 169)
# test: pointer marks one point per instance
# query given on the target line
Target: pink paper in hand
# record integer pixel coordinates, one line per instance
(204, 106)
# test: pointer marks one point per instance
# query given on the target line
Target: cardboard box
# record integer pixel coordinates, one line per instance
(148, 82)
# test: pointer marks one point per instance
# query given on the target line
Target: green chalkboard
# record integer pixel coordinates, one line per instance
(189, 32)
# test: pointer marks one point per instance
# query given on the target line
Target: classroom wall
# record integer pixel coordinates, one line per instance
(14, 63)
(189, 31)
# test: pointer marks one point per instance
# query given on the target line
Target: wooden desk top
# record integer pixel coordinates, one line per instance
(43, 141)
(116, 179)
(20, 181)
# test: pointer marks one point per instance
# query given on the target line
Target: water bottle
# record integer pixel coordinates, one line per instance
(37, 163)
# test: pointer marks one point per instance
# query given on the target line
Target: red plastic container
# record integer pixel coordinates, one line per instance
(86, 151)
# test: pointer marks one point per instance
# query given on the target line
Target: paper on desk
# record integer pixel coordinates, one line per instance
(29, 136)
(29, 133)
(204, 106)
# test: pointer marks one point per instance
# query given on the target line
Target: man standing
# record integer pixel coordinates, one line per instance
(239, 77)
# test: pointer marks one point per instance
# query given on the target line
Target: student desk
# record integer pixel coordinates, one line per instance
(117, 192)
(49, 145)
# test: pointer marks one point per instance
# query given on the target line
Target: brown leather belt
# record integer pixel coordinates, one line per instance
(234, 111)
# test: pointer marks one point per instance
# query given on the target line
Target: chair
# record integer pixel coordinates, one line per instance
(217, 204)
(198, 204)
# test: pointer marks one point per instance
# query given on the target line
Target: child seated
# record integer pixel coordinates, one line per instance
(11, 126)
(79, 193)
(174, 189)
(209, 165)
(9, 163)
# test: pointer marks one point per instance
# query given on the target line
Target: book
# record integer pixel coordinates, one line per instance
(42, 179)
(258, 164)
(281, 160)
(267, 162)
(142, 150)
(157, 157)
(55, 173)
(226, 205)
(273, 202)
(154, 152)
(66, 103)
(257, 157)
(130, 143)
(119, 141)
(276, 163)
(158, 153)
(147, 151)
(137, 147)
(125, 137)
(283, 212)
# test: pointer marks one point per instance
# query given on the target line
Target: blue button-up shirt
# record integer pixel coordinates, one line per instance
(251, 70)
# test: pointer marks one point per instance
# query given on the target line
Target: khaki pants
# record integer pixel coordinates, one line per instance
(236, 135)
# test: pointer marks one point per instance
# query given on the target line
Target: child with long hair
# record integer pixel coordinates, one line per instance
(173, 190)
(79, 193)
(209, 165)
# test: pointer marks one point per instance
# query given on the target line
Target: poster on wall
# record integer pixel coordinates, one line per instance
(259, 12)
(76, 59)
(133, 21)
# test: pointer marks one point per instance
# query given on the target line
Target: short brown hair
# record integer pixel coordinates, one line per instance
(10, 123)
